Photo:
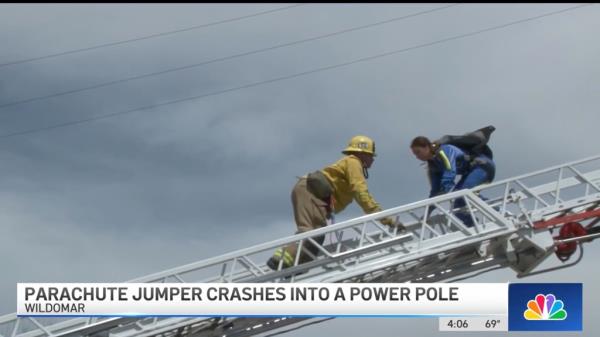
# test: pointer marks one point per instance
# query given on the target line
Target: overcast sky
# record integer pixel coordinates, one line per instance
(122, 197)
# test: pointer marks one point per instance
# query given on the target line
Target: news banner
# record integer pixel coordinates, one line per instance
(458, 306)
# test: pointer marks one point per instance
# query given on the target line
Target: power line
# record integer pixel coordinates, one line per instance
(220, 59)
(287, 77)
(146, 37)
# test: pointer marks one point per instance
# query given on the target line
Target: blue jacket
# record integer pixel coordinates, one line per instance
(443, 168)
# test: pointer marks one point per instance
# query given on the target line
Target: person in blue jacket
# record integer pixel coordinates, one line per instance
(445, 162)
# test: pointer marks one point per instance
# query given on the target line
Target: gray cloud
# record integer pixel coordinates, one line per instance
(123, 197)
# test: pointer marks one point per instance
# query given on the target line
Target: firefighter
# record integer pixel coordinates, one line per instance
(320, 194)
(445, 162)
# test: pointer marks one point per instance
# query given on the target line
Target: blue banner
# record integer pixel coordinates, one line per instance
(545, 307)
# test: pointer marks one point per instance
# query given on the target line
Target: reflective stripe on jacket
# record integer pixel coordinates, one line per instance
(443, 168)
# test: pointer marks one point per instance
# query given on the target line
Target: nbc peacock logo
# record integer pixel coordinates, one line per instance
(545, 308)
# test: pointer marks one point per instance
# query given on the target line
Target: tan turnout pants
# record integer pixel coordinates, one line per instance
(309, 213)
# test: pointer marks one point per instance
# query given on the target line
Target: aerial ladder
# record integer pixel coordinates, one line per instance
(516, 223)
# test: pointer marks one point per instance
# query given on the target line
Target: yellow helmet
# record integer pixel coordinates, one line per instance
(360, 144)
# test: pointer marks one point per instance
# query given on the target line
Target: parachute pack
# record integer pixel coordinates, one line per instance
(474, 143)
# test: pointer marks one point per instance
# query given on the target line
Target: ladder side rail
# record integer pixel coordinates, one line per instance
(591, 177)
(539, 172)
(519, 191)
(400, 258)
(594, 176)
